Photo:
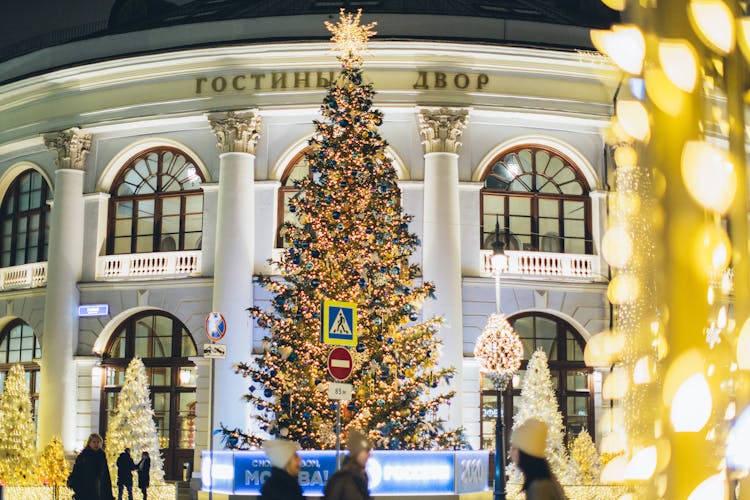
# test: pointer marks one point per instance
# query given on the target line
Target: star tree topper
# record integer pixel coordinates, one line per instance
(350, 37)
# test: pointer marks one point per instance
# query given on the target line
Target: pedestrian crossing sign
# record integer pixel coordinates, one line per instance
(339, 323)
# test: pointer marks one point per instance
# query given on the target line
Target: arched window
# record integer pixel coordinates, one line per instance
(19, 345)
(156, 204)
(298, 169)
(539, 199)
(572, 380)
(24, 218)
(164, 344)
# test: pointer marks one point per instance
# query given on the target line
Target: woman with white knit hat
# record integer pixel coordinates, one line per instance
(527, 445)
(282, 484)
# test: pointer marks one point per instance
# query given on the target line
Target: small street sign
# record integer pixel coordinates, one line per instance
(214, 350)
(339, 323)
(340, 391)
(216, 326)
(340, 364)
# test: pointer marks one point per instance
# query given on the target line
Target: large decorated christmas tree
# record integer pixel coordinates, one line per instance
(351, 243)
(132, 424)
(17, 434)
(538, 400)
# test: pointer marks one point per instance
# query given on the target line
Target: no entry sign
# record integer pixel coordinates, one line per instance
(340, 363)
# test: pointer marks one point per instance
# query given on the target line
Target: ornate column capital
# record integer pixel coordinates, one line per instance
(237, 132)
(441, 129)
(72, 147)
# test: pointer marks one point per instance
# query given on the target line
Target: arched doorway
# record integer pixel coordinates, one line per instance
(19, 345)
(165, 346)
(571, 378)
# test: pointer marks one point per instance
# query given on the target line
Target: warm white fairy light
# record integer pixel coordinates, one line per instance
(498, 350)
(350, 37)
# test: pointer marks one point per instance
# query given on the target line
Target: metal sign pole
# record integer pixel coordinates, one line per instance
(338, 435)
(211, 434)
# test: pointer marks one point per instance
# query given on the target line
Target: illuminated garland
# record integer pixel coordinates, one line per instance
(499, 350)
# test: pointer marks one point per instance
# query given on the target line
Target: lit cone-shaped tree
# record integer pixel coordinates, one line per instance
(17, 435)
(351, 243)
(585, 461)
(132, 424)
(538, 400)
(53, 468)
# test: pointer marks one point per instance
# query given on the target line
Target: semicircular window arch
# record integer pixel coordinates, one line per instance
(540, 201)
(156, 204)
(24, 220)
(165, 346)
(298, 169)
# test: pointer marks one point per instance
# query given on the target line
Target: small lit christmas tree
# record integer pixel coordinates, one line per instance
(585, 461)
(351, 243)
(17, 434)
(53, 468)
(538, 400)
(132, 424)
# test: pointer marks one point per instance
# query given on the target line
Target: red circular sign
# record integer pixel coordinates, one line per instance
(216, 326)
(340, 363)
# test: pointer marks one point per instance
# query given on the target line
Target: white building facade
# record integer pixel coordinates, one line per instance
(154, 185)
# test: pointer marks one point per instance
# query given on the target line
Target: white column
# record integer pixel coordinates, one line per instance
(59, 340)
(237, 135)
(441, 248)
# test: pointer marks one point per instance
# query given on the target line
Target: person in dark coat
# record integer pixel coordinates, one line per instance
(282, 484)
(144, 473)
(89, 478)
(528, 443)
(351, 482)
(125, 468)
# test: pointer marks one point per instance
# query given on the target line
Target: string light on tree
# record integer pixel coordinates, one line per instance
(17, 435)
(132, 424)
(350, 242)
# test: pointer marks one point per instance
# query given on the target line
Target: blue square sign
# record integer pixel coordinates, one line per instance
(339, 323)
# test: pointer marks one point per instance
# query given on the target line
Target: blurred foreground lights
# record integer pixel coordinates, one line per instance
(712, 250)
(616, 384)
(603, 348)
(713, 488)
(709, 175)
(678, 60)
(615, 4)
(738, 451)
(617, 246)
(624, 44)
(743, 347)
(623, 288)
(692, 404)
(745, 36)
(662, 91)
(612, 443)
(642, 371)
(713, 23)
(614, 471)
(642, 466)
(634, 119)
(626, 157)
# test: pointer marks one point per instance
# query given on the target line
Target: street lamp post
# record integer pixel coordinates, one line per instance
(499, 352)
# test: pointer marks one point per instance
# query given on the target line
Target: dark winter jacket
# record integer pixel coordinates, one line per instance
(545, 489)
(281, 485)
(349, 483)
(90, 476)
(144, 472)
(125, 468)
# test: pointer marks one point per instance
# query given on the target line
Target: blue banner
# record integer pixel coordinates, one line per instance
(391, 473)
